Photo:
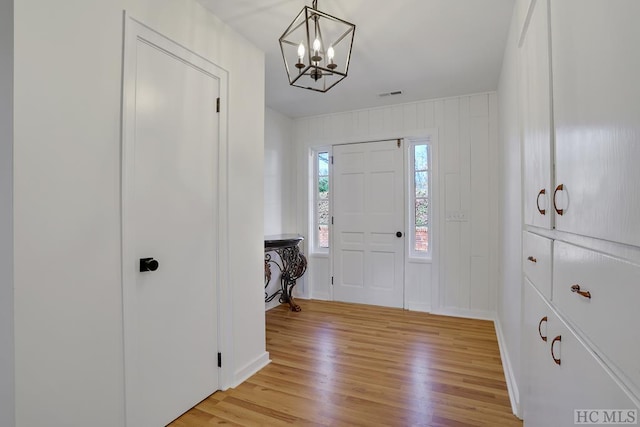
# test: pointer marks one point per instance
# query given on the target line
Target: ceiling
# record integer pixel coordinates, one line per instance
(425, 48)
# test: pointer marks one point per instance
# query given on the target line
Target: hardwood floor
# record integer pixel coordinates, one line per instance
(336, 364)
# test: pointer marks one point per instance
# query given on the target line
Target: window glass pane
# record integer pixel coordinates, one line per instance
(323, 236)
(323, 163)
(422, 184)
(422, 212)
(323, 187)
(421, 158)
(422, 239)
(323, 212)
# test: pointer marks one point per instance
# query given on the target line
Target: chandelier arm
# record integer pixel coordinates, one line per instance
(346, 33)
(291, 30)
(289, 42)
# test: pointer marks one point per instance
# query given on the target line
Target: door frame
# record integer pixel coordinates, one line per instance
(135, 30)
(437, 210)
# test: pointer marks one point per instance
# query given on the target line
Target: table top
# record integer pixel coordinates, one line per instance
(280, 241)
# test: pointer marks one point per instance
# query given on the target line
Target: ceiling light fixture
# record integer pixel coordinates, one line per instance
(316, 49)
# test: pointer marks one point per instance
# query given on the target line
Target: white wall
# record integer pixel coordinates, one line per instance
(279, 174)
(6, 215)
(467, 142)
(279, 186)
(68, 299)
(510, 190)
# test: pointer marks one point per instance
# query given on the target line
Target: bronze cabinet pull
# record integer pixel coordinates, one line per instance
(532, 259)
(576, 289)
(556, 339)
(542, 211)
(544, 319)
(558, 188)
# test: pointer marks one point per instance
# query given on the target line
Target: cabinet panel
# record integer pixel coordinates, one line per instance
(596, 104)
(605, 305)
(537, 261)
(553, 390)
(581, 382)
(537, 371)
(536, 121)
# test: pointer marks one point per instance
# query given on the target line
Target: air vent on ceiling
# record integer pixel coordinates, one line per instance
(395, 92)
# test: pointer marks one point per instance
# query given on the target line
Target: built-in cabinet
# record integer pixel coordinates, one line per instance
(596, 104)
(580, 122)
(536, 119)
(563, 374)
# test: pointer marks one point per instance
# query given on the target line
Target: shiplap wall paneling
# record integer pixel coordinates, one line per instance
(467, 137)
(479, 198)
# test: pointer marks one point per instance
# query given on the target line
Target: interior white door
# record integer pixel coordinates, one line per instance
(170, 150)
(368, 254)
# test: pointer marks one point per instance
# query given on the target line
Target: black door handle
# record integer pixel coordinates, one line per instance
(148, 264)
(399, 234)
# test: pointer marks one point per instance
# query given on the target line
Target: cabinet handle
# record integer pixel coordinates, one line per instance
(532, 259)
(558, 188)
(542, 211)
(553, 355)
(576, 289)
(544, 319)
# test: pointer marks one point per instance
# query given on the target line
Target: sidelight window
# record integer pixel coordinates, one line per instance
(420, 206)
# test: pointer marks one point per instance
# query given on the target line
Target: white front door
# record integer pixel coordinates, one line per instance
(368, 250)
(170, 158)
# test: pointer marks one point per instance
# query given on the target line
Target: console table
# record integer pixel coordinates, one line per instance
(292, 266)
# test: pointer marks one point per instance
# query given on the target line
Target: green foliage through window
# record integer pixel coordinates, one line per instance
(322, 197)
(421, 197)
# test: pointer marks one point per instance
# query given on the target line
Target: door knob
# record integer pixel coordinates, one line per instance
(148, 264)
(399, 234)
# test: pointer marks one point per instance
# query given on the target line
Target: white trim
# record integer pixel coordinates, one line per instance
(134, 30)
(466, 313)
(322, 296)
(410, 198)
(244, 373)
(416, 260)
(314, 249)
(418, 306)
(432, 135)
(509, 374)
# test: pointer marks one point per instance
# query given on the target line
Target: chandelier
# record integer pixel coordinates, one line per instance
(316, 49)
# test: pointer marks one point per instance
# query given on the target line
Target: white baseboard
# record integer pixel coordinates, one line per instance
(251, 368)
(469, 314)
(272, 304)
(321, 296)
(509, 375)
(419, 306)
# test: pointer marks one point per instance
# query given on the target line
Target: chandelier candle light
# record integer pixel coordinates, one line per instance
(319, 47)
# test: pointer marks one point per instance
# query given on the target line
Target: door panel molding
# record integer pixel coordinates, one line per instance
(368, 203)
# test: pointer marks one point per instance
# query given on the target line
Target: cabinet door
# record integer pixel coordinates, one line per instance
(596, 104)
(581, 382)
(560, 374)
(536, 120)
(537, 371)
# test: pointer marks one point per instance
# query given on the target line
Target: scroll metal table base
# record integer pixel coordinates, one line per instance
(292, 266)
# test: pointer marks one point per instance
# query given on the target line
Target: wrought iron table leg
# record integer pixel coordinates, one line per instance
(294, 265)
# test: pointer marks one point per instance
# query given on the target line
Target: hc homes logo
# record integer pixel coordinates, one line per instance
(605, 416)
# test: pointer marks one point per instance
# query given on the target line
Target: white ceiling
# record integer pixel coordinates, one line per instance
(425, 48)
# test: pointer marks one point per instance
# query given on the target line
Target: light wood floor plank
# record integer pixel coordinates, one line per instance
(336, 364)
